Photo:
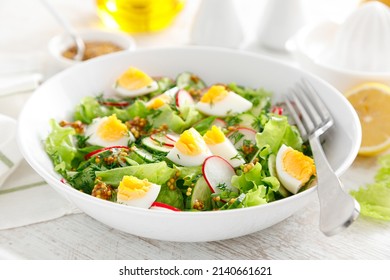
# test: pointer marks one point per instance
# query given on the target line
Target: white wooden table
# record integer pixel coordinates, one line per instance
(25, 28)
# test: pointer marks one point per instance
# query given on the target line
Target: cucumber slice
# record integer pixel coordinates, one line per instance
(201, 196)
(188, 80)
(145, 155)
(247, 120)
(283, 191)
(165, 139)
(272, 165)
(155, 146)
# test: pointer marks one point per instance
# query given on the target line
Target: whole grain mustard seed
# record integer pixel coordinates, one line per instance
(93, 49)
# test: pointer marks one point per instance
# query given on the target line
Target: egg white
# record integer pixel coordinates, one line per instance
(146, 201)
(230, 105)
(124, 92)
(227, 151)
(165, 97)
(176, 156)
(95, 139)
(287, 180)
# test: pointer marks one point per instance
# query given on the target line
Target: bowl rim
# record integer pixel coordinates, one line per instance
(55, 180)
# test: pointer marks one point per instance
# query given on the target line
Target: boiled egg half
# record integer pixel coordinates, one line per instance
(158, 101)
(135, 192)
(134, 82)
(293, 168)
(107, 132)
(221, 102)
(190, 149)
(221, 146)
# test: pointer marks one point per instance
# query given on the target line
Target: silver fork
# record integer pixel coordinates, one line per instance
(338, 209)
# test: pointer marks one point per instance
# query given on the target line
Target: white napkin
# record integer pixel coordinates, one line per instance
(24, 196)
(10, 156)
(26, 199)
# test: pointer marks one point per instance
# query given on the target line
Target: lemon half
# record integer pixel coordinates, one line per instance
(371, 101)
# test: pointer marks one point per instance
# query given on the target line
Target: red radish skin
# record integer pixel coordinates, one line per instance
(277, 110)
(163, 139)
(98, 151)
(219, 122)
(172, 137)
(212, 169)
(249, 134)
(183, 97)
(160, 205)
(115, 103)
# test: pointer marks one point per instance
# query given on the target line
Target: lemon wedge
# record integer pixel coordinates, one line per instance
(371, 101)
(386, 2)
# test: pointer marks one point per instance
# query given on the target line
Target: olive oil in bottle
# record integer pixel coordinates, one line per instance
(136, 16)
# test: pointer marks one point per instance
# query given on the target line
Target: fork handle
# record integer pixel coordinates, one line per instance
(337, 208)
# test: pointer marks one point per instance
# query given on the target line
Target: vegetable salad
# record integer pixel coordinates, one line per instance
(181, 145)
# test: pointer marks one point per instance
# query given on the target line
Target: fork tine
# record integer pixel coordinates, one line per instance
(306, 102)
(295, 116)
(317, 101)
(305, 117)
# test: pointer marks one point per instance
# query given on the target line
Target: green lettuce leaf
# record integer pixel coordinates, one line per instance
(171, 197)
(257, 188)
(166, 116)
(158, 173)
(278, 131)
(60, 146)
(374, 199)
(247, 181)
(88, 109)
(260, 98)
(255, 196)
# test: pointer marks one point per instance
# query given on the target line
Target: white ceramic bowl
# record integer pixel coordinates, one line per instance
(58, 44)
(58, 96)
(309, 45)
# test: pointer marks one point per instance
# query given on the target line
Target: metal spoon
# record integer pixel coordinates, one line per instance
(80, 45)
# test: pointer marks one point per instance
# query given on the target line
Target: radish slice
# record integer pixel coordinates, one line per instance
(172, 137)
(98, 151)
(219, 123)
(183, 98)
(163, 139)
(163, 207)
(115, 103)
(277, 110)
(216, 172)
(240, 134)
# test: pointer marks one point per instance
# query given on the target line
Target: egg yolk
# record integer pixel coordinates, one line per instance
(190, 142)
(298, 165)
(214, 94)
(134, 79)
(158, 101)
(131, 187)
(112, 129)
(214, 136)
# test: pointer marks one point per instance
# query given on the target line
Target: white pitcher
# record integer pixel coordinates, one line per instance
(217, 24)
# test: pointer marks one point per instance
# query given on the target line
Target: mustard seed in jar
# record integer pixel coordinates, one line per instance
(93, 49)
